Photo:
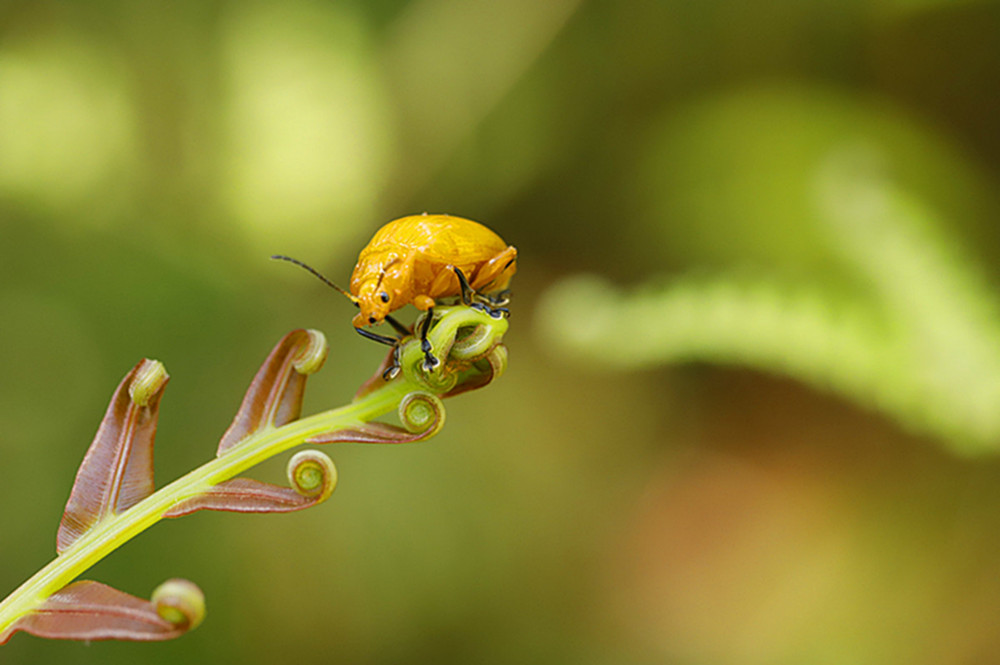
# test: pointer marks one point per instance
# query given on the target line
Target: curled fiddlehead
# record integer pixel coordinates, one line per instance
(422, 413)
(179, 602)
(312, 474)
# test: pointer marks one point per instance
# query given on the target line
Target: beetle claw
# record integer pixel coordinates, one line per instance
(500, 299)
(392, 371)
(430, 361)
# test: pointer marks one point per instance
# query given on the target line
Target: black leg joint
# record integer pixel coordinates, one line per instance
(375, 337)
(468, 293)
(430, 362)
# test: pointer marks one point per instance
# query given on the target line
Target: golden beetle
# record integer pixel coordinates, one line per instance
(421, 258)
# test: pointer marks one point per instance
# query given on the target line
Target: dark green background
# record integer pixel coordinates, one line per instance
(154, 154)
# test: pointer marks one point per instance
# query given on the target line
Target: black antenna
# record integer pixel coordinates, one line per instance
(316, 273)
(399, 327)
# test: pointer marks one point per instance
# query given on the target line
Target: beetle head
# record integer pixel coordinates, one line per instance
(375, 303)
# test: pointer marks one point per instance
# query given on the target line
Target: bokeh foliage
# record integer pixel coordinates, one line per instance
(153, 154)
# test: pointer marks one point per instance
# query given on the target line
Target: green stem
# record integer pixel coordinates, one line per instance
(117, 530)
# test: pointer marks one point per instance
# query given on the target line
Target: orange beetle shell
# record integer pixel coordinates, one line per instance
(412, 260)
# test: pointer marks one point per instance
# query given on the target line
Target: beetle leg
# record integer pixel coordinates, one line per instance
(398, 327)
(494, 312)
(492, 305)
(468, 293)
(381, 339)
(392, 371)
(430, 362)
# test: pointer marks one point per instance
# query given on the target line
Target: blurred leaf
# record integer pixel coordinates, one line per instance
(919, 338)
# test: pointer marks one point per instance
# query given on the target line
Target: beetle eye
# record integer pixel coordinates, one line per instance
(384, 296)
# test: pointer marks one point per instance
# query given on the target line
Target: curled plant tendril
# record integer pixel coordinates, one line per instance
(464, 341)
(472, 343)
(150, 377)
(179, 602)
(114, 497)
(434, 379)
(312, 474)
(482, 372)
(422, 413)
(311, 357)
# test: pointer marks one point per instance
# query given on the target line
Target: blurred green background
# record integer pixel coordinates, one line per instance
(580, 510)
